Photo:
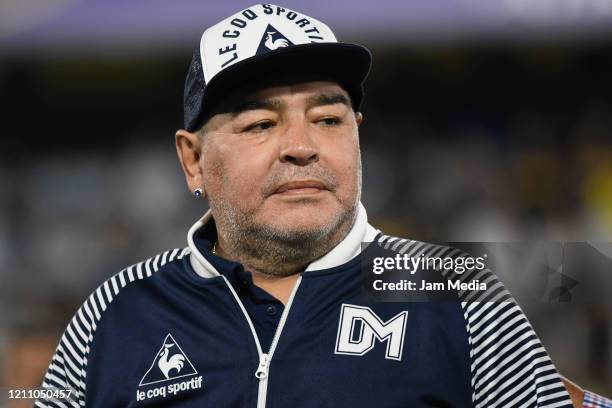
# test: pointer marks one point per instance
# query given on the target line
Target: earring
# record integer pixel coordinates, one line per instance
(197, 193)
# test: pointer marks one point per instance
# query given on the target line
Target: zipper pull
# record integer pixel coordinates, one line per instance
(262, 370)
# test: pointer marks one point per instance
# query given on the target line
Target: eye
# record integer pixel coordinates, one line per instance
(259, 126)
(330, 121)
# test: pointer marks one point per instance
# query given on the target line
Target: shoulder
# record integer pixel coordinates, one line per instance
(68, 368)
(509, 364)
(109, 290)
(93, 308)
(453, 264)
(413, 247)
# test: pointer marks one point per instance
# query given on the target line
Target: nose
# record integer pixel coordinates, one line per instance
(298, 146)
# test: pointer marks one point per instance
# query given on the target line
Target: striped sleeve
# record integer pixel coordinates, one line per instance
(592, 400)
(509, 365)
(68, 367)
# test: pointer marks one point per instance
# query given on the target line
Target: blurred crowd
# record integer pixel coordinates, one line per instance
(468, 144)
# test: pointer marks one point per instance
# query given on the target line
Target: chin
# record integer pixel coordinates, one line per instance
(302, 222)
(305, 220)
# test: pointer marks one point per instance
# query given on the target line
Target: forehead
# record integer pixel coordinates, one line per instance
(294, 91)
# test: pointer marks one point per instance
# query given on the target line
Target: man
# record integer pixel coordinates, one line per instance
(264, 307)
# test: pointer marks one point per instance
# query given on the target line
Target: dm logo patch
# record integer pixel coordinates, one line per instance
(169, 363)
(271, 40)
(360, 328)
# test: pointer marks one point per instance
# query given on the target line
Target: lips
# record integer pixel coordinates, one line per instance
(300, 185)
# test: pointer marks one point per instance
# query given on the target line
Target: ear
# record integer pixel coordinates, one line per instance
(358, 118)
(188, 148)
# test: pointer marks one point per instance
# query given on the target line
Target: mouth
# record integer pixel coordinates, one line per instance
(300, 187)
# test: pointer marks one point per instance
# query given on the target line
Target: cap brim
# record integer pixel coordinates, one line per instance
(347, 64)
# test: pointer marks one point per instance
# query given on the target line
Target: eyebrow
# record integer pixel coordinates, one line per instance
(328, 99)
(254, 104)
(275, 104)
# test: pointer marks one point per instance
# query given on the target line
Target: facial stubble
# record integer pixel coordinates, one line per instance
(280, 251)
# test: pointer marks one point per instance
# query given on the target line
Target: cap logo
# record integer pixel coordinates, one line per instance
(257, 30)
(271, 40)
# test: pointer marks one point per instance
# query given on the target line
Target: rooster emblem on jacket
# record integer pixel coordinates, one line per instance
(166, 362)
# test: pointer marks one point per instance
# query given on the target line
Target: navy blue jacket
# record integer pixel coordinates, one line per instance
(185, 329)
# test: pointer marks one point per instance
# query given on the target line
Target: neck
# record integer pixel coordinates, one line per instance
(278, 286)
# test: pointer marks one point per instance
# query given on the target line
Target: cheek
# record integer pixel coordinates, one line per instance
(343, 157)
(234, 175)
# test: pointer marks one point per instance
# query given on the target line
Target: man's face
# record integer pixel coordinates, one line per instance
(286, 159)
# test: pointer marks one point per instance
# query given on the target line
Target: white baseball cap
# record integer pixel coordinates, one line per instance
(259, 42)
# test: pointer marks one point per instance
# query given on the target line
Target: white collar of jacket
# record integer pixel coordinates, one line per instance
(346, 250)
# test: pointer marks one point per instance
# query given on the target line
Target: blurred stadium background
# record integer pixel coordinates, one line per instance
(485, 121)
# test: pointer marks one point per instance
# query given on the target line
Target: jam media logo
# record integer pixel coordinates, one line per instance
(360, 327)
(170, 363)
(271, 40)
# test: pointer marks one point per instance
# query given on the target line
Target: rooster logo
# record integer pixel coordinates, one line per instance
(169, 363)
(271, 40)
(273, 44)
(166, 364)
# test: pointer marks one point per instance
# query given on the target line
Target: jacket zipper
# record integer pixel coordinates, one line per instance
(263, 369)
